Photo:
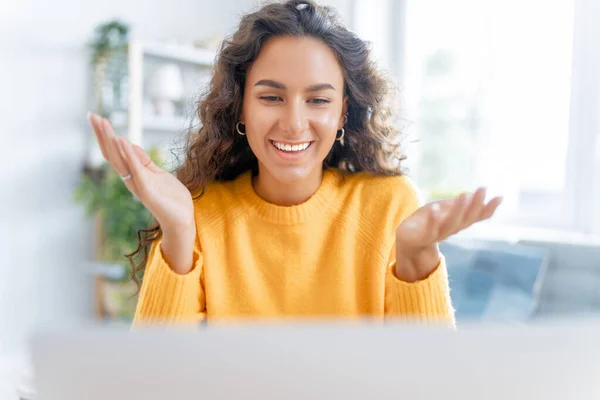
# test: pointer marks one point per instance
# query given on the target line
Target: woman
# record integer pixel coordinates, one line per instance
(290, 201)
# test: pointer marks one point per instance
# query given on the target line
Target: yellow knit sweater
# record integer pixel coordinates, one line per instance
(332, 256)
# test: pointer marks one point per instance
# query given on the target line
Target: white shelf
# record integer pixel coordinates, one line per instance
(167, 124)
(180, 53)
(173, 124)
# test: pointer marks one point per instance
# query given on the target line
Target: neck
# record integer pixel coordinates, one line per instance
(274, 191)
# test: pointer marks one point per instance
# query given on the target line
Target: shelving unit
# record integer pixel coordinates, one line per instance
(138, 122)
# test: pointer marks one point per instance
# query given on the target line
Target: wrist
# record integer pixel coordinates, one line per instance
(180, 240)
(181, 231)
(412, 266)
(178, 248)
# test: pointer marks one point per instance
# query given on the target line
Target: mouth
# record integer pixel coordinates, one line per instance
(291, 151)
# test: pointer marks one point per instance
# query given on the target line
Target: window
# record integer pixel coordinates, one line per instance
(495, 92)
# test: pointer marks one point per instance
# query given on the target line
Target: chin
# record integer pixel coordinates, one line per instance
(290, 174)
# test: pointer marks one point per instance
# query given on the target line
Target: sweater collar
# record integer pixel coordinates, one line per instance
(289, 215)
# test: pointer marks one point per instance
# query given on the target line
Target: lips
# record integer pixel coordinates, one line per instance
(291, 151)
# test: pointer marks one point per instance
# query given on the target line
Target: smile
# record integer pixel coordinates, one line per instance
(291, 148)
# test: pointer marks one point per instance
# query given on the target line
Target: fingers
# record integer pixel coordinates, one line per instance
(134, 164)
(455, 216)
(138, 172)
(438, 220)
(116, 159)
(467, 210)
(475, 208)
(490, 208)
(144, 158)
(99, 134)
(108, 144)
(443, 218)
(113, 149)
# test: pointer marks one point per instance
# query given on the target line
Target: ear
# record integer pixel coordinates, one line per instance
(344, 112)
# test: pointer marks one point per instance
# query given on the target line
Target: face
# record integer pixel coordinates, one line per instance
(293, 106)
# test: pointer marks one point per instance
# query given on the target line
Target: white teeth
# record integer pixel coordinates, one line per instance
(287, 147)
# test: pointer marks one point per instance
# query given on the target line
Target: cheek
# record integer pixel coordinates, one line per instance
(326, 124)
(259, 120)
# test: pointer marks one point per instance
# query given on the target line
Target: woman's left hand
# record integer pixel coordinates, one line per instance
(417, 237)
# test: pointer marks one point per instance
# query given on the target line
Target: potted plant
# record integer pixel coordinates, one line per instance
(118, 215)
(109, 47)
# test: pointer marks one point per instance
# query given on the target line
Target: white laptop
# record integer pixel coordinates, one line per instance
(320, 361)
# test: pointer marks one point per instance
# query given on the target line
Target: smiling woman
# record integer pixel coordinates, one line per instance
(291, 201)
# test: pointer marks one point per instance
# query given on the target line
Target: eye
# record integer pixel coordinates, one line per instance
(270, 99)
(319, 101)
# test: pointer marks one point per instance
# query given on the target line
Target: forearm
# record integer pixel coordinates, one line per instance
(178, 248)
(416, 267)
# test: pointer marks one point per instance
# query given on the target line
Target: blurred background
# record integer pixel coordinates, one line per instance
(500, 94)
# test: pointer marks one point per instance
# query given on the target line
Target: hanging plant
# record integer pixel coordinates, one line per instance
(109, 46)
(109, 37)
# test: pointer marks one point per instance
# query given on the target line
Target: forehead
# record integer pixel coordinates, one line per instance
(297, 63)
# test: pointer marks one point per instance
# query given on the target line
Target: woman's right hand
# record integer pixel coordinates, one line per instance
(169, 201)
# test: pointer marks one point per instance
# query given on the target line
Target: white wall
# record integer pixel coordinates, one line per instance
(44, 96)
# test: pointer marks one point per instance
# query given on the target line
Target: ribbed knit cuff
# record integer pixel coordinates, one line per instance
(424, 300)
(167, 296)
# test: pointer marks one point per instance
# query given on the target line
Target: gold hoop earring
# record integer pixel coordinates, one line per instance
(237, 128)
(341, 138)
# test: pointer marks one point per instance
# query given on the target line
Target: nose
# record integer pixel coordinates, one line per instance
(294, 120)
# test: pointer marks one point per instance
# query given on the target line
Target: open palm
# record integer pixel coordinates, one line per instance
(169, 201)
(438, 220)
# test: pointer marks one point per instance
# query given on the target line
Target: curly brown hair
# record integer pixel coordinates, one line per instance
(217, 153)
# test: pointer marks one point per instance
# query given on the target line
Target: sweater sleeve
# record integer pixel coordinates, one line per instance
(426, 300)
(168, 297)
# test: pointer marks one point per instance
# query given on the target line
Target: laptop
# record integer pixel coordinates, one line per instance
(320, 361)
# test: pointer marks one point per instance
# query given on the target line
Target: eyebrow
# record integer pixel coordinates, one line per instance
(278, 85)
